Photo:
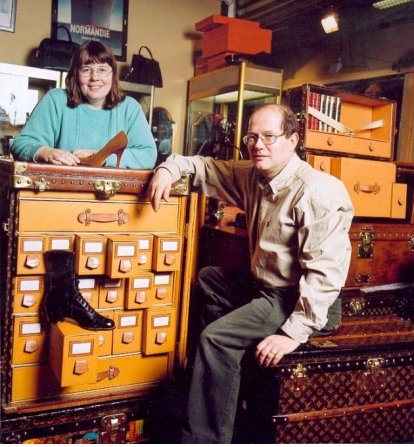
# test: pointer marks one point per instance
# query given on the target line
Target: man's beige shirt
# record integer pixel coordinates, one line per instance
(298, 228)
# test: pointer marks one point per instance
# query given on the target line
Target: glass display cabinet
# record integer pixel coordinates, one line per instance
(21, 88)
(219, 104)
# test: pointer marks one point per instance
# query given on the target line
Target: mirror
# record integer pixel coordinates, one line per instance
(162, 127)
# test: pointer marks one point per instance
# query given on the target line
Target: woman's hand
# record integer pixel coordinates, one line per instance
(56, 156)
(271, 349)
(83, 153)
(159, 187)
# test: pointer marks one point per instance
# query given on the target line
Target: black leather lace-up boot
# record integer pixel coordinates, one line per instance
(63, 299)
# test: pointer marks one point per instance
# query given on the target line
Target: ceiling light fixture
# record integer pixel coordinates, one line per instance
(389, 3)
(330, 22)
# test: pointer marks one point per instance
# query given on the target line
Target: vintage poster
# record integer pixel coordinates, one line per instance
(104, 20)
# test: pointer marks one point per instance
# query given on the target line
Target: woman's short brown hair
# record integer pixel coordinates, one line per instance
(92, 52)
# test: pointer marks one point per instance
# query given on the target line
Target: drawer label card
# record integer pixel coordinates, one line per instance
(30, 328)
(141, 283)
(169, 246)
(93, 247)
(161, 280)
(125, 250)
(36, 246)
(130, 320)
(144, 244)
(31, 285)
(86, 283)
(81, 348)
(161, 321)
(60, 244)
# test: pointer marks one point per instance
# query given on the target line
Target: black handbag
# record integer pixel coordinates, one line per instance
(56, 54)
(144, 70)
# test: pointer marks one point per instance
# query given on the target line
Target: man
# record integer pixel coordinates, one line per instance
(298, 220)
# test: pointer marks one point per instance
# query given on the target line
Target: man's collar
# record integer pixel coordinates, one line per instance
(284, 175)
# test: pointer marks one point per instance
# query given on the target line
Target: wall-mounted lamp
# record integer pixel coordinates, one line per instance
(330, 22)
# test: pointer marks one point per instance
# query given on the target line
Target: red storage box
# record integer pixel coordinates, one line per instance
(215, 20)
(230, 35)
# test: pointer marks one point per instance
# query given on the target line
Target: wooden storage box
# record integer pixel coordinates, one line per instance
(58, 204)
(73, 354)
(365, 126)
(370, 184)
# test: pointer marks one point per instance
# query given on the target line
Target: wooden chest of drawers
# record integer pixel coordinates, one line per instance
(91, 211)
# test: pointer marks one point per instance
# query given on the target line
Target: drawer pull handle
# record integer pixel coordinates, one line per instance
(86, 217)
(375, 188)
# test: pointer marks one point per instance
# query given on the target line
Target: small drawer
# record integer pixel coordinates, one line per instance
(105, 337)
(144, 255)
(30, 255)
(128, 332)
(29, 341)
(399, 201)
(111, 293)
(159, 331)
(140, 291)
(89, 289)
(167, 254)
(163, 288)
(28, 293)
(73, 354)
(56, 242)
(90, 254)
(319, 162)
(122, 252)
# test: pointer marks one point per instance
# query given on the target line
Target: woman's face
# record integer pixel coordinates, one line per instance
(95, 82)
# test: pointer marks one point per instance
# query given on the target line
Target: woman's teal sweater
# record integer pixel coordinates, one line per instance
(54, 124)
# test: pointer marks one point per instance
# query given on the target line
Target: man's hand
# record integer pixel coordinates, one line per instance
(56, 156)
(159, 187)
(270, 350)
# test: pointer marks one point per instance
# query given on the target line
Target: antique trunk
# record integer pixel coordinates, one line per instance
(382, 253)
(355, 386)
(131, 267)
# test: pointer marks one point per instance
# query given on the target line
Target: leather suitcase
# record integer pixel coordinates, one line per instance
(382, 253)
(355, 386)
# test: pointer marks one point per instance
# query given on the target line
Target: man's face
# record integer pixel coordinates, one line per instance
(269, 159)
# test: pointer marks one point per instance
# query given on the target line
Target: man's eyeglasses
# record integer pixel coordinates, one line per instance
(102, 72)
(268, 139)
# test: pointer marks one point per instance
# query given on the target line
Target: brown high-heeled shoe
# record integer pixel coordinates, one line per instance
(115, 145)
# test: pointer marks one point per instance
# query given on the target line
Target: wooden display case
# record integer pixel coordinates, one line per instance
(343, 123)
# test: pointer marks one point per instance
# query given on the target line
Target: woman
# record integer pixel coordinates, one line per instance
(73, 123)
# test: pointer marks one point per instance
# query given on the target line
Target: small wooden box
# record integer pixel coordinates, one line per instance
(167, 254)
(140, 292)
(29, 340)
(28, 293)
(128, 332)
(90, 254)
(163, 288)
(111, 293)
(30, 259)
(159, 331)
(73, 354)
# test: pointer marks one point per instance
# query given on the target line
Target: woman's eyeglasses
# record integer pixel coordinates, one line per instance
(102, 72)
